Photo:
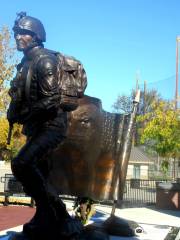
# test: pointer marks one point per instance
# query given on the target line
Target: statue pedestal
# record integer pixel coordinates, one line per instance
(86, 235)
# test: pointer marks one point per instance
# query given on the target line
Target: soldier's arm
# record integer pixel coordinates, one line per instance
(16, 107)
(15, 104)
(48, 82)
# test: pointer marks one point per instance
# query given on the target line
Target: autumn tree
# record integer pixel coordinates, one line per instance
(7, 67)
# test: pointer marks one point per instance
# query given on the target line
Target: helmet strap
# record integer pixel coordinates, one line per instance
(34, 43)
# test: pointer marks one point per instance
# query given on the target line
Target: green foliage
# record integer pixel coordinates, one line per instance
(165, 166)
(162, 129)
(157, 125)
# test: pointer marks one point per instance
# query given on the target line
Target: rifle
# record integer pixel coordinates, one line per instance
(9, 133)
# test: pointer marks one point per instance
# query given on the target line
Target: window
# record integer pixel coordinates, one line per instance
(136, 171)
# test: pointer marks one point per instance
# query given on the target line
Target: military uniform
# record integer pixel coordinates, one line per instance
(36, 104)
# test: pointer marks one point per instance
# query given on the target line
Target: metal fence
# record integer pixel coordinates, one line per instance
(137, 192)
(11, 185)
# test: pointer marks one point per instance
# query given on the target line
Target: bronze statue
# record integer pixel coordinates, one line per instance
(91, 162)
(40, 102)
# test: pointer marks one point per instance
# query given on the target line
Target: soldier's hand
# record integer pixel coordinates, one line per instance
(12, 117)
(13, 112)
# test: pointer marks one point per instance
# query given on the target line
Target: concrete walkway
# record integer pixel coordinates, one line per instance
(149, 215)
(154, 221)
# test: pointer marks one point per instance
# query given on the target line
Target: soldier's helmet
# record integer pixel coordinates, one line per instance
(31, 25)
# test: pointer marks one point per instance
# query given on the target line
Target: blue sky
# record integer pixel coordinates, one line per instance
(114, 39)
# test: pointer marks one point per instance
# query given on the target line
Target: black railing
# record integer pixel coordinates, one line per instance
(137, 192)
(11, 187)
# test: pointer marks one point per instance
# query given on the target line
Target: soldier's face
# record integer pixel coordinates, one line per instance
(23, 41)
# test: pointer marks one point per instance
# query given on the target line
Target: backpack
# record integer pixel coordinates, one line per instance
(72, 81)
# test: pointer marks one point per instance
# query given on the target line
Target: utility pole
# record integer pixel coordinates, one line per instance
(144, 98)
(176, 91)
(177, 72)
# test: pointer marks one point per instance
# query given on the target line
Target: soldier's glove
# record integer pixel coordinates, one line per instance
(68, 103)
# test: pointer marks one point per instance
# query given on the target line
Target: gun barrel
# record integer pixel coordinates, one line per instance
(9, 134)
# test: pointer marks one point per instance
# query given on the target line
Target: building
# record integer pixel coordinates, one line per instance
(139, 164)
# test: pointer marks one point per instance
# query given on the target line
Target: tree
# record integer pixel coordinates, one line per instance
(148, 97)
(162, 130)
(123, 102)
(7, 66)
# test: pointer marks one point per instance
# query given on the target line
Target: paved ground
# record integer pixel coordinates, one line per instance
(149, 215)
(13, 216)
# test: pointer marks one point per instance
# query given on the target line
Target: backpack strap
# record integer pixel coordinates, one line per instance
(28, 82)
(29, 75)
